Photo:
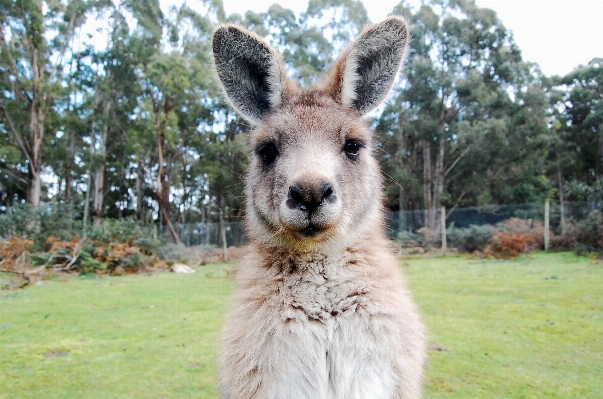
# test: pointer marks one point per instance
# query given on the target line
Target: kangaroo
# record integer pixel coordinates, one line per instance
(322, 311)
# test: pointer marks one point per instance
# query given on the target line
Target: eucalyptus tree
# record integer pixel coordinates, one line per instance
(177, 93)
(36, 42)
(458, 84)
(583, 110)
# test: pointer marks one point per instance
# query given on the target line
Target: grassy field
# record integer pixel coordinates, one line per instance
(531, 328)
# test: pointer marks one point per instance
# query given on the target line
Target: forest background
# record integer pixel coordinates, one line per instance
(140, 131)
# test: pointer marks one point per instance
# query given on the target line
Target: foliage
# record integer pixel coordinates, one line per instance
(584, 237)
(509, 245)
(469, 239)
(138, 128)
(168, 251)
(38, 224)
(125, 230)
(410, 239)
(12, 250)
(54, 239)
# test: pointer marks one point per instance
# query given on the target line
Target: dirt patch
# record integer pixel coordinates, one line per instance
(438, 348)
(56, 353)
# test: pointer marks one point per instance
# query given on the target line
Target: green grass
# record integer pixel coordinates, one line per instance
(120, 337)
(531, 328)
(514, 329)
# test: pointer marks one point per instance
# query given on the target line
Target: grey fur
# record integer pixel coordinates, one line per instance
(322, 311)
(372, 64)
(249, 70)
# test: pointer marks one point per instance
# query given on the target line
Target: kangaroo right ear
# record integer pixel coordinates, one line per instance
(366, 70)
(250, 70)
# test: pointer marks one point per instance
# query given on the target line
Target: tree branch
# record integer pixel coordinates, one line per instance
(456, 204)
(16, 135)
(12, 175)
(18, 91)
(457, 160)
(68, 37)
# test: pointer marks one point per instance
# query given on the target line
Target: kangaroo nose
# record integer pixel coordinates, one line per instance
(310, 197)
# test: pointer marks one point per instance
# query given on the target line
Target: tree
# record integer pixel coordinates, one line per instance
(583, 109)
(35, 37)
(455, 93)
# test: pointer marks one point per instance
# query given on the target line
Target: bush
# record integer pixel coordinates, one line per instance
(37, 225)
(122, 255)
(431, 238)
(509, 245)
(169, 252)
(125, 230)
(534, 228)
(469, 239)
(14, 252)
(584, 237)
(409, 239)
(53, 237)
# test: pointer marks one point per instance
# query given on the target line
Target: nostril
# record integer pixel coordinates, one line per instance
(327, 191)
(296, 194)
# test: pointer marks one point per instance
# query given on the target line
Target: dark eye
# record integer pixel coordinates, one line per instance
(267, 152)
(352, 148)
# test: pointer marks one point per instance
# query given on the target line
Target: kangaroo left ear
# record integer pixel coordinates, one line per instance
(366, 70)
(250, 71)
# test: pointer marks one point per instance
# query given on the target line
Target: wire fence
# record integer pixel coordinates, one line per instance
(402, 224)
(413, 221)
(208, 234)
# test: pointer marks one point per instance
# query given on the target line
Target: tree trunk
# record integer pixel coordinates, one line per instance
(99, 174)
(205, 221)
(163, 186)
(561, 195)
(600, 157)
(401, 205)
(36, 125)
(439, 183)
(427, 184)
(223, 230)
(69, 172)
(87, 206)
(34, 187)
(402, 216)
(140, 187)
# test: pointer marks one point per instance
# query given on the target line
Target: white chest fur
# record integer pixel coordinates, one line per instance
(318, 328)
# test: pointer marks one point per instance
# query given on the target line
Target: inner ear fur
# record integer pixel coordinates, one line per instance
(365, 72)
(250, 70)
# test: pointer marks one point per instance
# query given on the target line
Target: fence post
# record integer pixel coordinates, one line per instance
(223, 236)
(443, 226)
(547, 209)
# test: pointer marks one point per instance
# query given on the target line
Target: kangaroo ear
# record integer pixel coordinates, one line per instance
(365, 72)
(250, 70)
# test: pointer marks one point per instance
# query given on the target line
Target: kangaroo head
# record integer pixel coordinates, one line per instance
(312, 180)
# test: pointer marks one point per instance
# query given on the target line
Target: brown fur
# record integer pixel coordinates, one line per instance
(322, 310)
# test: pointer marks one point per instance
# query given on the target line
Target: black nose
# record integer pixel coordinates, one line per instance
(310, 196)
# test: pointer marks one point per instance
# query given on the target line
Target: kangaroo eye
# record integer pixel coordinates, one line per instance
(267, 152)
(352, 148)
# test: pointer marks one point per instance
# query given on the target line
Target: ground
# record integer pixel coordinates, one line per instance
(527, 328)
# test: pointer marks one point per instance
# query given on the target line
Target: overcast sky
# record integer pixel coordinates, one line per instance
(558, 35)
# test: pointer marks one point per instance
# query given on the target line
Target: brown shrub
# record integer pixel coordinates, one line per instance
(509, 245)
(14, 253)
(534, 228)
(57, 245)
(114, 253)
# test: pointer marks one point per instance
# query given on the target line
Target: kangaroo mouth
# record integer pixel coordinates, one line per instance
(310, 231)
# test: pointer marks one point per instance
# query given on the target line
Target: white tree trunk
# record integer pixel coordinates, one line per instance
(99, 174)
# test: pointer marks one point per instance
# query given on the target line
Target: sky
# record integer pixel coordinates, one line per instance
(557, 35)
